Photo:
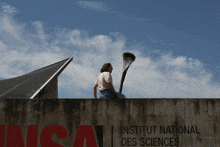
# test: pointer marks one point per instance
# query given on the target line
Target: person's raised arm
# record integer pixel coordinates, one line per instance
(94, 91)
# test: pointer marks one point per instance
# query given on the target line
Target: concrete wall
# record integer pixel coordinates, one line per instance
(148, 122)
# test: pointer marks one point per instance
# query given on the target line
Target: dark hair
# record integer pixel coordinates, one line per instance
(105, 67)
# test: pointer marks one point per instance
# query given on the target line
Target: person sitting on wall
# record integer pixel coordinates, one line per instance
(105, 84)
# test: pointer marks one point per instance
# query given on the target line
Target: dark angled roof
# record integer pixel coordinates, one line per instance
(28, 85)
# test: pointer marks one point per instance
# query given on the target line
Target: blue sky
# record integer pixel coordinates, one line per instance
(176, 43)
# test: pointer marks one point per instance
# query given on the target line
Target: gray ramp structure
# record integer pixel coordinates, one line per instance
(38, 84)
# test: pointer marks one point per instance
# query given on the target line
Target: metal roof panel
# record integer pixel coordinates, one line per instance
(28, 85)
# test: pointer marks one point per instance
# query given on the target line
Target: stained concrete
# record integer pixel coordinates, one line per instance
(201, 114)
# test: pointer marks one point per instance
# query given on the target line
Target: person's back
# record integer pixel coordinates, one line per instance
(103, 79)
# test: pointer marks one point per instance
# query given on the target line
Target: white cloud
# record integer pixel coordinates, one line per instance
(93, 5)
(103, 7)
(129, 16)
(23, 51)
(40, 31)
(9, 9)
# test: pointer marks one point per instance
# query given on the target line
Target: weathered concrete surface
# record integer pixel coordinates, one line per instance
(201, 114)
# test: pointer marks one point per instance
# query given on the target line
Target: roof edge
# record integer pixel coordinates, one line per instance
(55, 74)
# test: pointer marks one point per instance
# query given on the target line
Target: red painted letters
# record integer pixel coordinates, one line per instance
(45, 137)
(14, 136)
(82, 133)
(32, 134)
(15, 139)
(2, 135)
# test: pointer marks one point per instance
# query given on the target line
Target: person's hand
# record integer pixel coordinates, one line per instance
(120, 97)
